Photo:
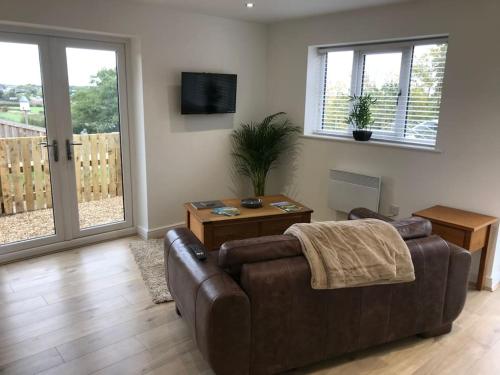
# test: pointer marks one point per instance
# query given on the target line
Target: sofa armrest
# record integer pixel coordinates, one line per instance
(410, 228)
(458, 278)
(413, 227)
(223, 325)
(213, 305)
(441, 271)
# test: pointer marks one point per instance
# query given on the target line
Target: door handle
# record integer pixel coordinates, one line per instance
(69, 149)
(55, 148)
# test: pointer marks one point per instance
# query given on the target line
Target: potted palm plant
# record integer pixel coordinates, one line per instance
(361, 116)
(257, 147)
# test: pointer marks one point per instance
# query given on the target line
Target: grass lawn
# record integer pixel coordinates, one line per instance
(36, 116)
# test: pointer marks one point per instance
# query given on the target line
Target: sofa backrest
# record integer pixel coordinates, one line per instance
(233, 254)
(365, 213)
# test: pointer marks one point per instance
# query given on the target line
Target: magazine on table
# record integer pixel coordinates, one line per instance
(226, 211)
(286, 206)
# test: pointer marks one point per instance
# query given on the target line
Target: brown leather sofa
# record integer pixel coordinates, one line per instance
(251, 308)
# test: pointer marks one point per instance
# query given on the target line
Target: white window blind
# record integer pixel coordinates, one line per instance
(381, 76)
(424, 98)
(337, 88)
(406, 78)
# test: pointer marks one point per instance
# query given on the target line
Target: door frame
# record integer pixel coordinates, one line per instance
(68, 233)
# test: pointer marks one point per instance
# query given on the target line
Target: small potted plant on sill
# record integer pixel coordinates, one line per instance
(361, 116)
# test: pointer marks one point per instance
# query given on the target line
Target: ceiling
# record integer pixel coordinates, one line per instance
(266, 11)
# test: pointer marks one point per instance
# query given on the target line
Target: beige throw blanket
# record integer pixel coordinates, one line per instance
(345, 254)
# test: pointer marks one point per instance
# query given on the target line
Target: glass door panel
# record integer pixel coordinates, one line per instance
(26, 206)
(96, 140)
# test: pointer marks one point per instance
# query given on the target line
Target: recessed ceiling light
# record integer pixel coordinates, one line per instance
(249, 5)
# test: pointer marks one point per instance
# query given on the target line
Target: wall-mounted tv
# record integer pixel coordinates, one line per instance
(208, 93)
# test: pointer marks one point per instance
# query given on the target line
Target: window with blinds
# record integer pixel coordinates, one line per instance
(337, 88)
(406, 78)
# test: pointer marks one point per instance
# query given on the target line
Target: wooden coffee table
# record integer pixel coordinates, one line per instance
(213, 230)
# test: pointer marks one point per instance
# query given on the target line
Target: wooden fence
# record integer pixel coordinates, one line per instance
(15, 129)
(22, 189)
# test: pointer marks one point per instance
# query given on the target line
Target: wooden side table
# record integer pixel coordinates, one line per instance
(468, 230)
(213, 230)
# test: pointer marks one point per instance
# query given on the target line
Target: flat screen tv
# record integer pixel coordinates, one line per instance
(208, 93)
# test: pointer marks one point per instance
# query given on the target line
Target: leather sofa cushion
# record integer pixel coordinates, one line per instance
(233, 254)
(413, 227)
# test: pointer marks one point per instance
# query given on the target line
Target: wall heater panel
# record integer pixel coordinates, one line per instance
(347, 190)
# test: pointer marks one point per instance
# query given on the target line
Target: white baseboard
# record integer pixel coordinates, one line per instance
(158, 232)
(490, 284)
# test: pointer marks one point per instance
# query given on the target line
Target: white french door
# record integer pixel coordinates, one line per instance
(93, 134)
(64, 146)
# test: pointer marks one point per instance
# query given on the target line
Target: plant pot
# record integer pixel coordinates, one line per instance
(362, 135)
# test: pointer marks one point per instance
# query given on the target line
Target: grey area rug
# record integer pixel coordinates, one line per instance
(149, 257)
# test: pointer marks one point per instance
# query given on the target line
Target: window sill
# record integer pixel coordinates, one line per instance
(338, 138)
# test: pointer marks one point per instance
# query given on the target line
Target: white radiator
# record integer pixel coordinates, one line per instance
(348, 190)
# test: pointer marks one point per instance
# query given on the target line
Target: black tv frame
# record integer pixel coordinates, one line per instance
(185, 111)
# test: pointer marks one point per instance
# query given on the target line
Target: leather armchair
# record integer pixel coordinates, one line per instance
(251, 308)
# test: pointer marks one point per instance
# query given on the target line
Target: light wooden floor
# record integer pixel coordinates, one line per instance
(87, 311)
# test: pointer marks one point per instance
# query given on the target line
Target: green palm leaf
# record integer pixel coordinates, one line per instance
(257, 147)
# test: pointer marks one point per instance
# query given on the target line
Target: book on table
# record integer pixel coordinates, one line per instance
(201, 205)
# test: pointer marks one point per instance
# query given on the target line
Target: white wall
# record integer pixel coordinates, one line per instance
(177, 158)
(466, 173)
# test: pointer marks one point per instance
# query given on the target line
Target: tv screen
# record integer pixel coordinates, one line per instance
(207, 93)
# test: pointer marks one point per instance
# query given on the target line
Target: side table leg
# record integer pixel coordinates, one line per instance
(482, 263)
